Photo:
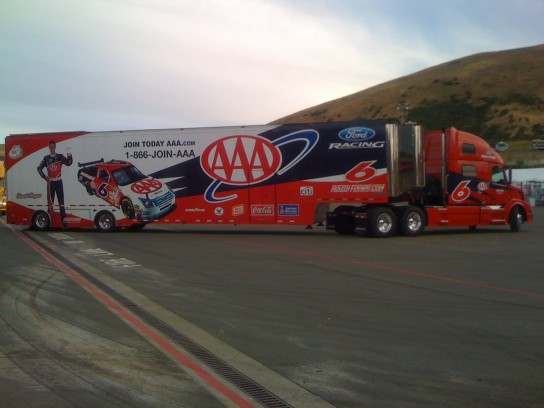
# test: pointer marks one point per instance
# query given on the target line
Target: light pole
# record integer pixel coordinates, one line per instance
(402, 107)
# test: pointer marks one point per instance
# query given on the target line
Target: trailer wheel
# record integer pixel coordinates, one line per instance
(516, 219)
(412, 221)
(127, 207)
(41, 221)
(382, 222)
(105, 221)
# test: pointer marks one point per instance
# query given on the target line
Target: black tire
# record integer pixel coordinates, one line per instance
(127, 207)
(515, 219)
(381, 222)
(105, 222)
(412, 221)
(41, 221)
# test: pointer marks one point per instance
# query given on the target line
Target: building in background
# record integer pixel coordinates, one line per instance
(532, 183)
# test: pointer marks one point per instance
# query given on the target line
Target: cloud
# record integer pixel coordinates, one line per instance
(124, 64)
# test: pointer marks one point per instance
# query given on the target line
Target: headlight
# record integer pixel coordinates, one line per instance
(146, 202)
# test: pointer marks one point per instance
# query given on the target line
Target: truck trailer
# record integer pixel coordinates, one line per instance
(365, 177)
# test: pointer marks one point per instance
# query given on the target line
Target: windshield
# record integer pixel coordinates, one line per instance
(127, 175)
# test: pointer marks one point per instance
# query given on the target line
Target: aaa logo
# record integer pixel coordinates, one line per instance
(146, 186)
(241, 160)
(245, 160)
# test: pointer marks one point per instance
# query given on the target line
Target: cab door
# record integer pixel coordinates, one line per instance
(465, 195)
(499, 193)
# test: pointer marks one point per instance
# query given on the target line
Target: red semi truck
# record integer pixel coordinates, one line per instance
(376, 177)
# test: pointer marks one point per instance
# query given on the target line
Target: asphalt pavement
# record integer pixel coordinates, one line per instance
(272, 315)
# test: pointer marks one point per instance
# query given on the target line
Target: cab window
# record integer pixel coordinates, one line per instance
(104, 175)
(468, 148)
(498, 175)
(469, 170)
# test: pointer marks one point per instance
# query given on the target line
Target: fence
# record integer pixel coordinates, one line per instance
(534, 191)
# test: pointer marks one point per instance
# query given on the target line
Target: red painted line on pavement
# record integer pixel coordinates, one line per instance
(156, 338)
(463, 282)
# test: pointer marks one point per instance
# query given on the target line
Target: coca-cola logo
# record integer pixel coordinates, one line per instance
(264, 209)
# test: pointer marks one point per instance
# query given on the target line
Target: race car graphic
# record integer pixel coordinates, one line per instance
(122, 185)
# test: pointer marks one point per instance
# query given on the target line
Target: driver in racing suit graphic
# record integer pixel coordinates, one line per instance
(53, 164)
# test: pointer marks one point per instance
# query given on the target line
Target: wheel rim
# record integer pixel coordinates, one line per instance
(414, 221)
(127, 208)
(519, 219)
(105, 222)
(41, 221)
(384, 223)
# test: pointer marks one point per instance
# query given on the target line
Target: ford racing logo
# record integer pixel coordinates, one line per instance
(356, 134)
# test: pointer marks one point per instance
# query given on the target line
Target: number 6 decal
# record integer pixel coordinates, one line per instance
(461, 192)
(361, 172)
(102, 191)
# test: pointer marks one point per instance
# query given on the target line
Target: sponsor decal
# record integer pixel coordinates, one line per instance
(219, 211)
(358, 188)
(288, 210)
(241, 160)
(16, 152)
(461, 192)
(306, 191)
(25, 196)
(362, 172)
(238, 210)
(114, 196)
(357, 145)
(195, 210)
(488, 155)
(146, 186)
(137, 149)
(247, 160)
(262, 209)
(482, 186)
(356, 134)
(157, 143)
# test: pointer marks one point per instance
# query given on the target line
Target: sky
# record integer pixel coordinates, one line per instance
(94, 65)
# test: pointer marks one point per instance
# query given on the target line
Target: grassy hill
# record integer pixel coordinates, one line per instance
(497, 95)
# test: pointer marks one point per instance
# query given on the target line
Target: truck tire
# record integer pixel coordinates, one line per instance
(41, 221)
(412, 221)
(381, 222)
(105, 222)
(127, 207)
(515, 219)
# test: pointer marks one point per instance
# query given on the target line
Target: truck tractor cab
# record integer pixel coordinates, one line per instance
(467, 172)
